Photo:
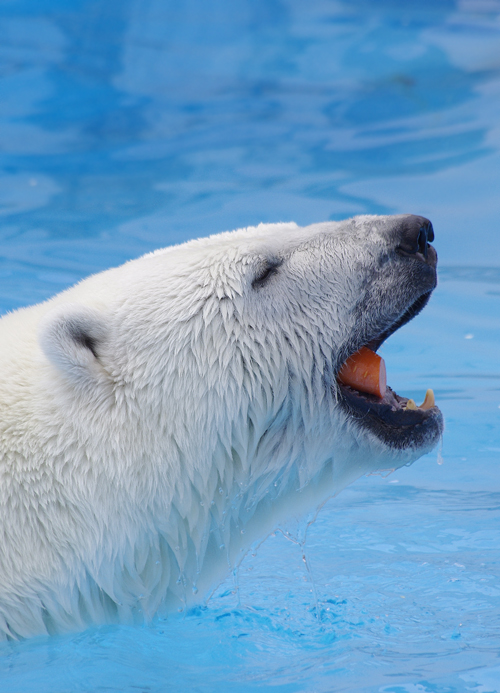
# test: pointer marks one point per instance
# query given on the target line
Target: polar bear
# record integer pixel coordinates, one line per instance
(158, 418)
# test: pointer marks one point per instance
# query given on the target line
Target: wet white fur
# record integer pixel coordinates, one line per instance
(131, 481)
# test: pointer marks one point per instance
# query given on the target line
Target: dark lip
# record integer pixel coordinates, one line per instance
(387, 418)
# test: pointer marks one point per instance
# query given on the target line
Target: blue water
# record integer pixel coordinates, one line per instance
(127, 125)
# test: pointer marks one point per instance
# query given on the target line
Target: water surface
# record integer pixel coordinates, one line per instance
(126, 126)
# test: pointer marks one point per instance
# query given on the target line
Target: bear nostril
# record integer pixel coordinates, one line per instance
(414, 235)
(422, 242)
(430, 232)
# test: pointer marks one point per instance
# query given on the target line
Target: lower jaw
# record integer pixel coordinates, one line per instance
(388, 419)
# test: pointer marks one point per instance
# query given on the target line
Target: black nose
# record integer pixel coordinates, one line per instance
(415, 234)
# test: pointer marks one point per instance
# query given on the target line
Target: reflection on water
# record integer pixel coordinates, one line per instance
(129, 125)
(489, 275)
(150, 121)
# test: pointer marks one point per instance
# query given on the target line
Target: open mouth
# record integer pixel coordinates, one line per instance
(395, 419)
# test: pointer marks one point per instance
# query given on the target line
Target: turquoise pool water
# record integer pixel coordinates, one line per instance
(126, 126)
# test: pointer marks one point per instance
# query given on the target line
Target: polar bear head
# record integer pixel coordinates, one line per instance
(255, 322)
(193, 396)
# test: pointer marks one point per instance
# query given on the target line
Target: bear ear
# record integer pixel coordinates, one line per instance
(71, 337)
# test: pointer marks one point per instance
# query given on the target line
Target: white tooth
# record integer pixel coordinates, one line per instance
(411, 404)
(429, 400)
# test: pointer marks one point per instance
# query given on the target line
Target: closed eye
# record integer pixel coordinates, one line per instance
(269, 269)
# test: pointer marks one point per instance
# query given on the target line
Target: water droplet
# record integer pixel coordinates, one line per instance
(195, 589)
(221, 491)
(222, 546)
(242, 531)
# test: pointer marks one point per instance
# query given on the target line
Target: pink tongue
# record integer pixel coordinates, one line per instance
(365, 371)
